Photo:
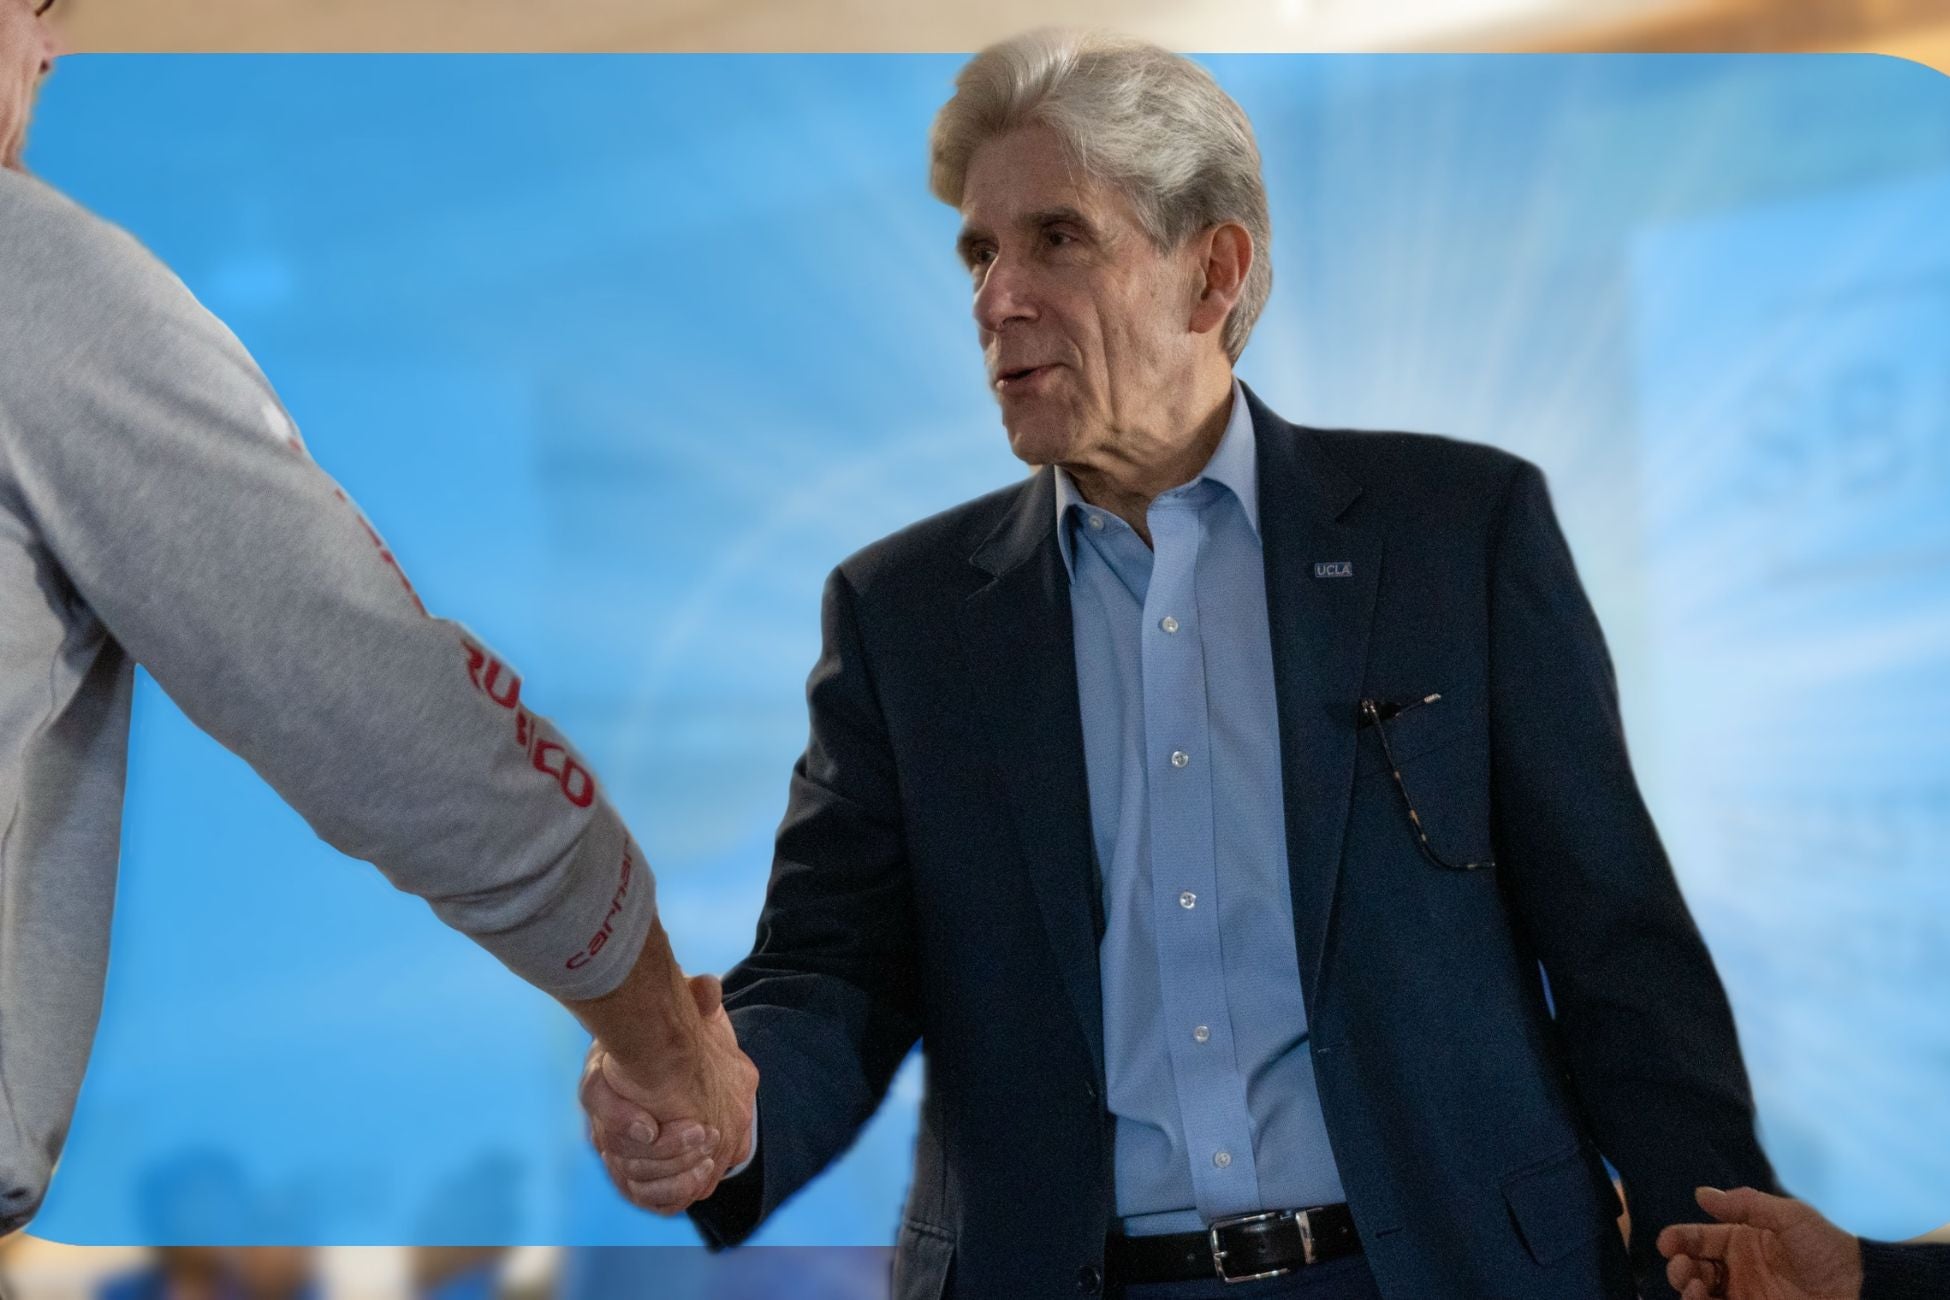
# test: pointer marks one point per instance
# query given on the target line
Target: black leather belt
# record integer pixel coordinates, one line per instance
(1243, 1248)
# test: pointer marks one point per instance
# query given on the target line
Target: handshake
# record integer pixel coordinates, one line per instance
(671, 1116)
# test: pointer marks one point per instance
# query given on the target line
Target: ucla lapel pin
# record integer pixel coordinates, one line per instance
(1334, 569)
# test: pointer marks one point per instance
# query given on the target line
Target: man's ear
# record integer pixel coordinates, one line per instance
(1225, 254)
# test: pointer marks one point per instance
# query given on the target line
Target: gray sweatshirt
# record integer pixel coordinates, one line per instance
(157, 507)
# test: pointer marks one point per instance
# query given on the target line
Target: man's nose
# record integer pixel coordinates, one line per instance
(1004, 295)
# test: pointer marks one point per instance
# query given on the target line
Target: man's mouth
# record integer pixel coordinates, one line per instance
(1007, 378)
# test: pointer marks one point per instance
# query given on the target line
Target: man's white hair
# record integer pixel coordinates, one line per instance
(1140, 118)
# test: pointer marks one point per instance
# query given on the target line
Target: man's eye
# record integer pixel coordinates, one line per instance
(1057, 238)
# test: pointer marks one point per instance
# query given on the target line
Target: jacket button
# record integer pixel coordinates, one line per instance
(1089, 1280)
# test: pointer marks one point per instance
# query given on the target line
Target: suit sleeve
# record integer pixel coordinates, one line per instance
(1905, 1270)
(1643, 1019)
(179, 512)
(824, 1005)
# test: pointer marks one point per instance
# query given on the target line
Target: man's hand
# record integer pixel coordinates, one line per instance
(1763, 1248)
(665, 1085)
(669, 1128)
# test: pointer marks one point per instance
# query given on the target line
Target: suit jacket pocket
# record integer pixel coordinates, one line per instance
(1416, 731)
(1556, 1206)
(924, 1259)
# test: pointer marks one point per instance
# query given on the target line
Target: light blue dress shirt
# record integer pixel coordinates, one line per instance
(1205, 1029)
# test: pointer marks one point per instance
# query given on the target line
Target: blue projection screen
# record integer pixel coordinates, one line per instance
(622, 354)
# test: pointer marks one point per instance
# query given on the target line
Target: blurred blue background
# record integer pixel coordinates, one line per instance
(623, 353)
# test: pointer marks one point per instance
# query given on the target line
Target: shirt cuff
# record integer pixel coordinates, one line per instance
(751, 1152)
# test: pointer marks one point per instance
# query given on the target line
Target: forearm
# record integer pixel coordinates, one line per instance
(826, 1004)
(173, 494)
(651, 1015)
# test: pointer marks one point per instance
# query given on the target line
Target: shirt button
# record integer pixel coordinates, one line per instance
(1188, 900)
(1168, 623)
(1222, 1159)
(1179, 758)
(1097, 522)
(1089, 1279)
(1202, 1034)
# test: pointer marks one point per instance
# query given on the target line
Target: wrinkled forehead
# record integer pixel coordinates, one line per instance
(1030, 166)
(1013, 180)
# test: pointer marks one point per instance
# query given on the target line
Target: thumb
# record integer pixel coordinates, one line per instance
(621, 1083)
(1745, 1205)
(708, 993)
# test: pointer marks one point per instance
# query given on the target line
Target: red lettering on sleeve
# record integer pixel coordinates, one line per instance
(542, 750)
(601, 937)
(506, 696)
(577, 785)
(501, 684)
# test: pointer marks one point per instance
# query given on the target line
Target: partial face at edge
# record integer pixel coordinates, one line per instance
(28, 48)
(1084, 322)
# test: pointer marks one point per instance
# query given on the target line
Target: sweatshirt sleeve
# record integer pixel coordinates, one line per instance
(172, 493)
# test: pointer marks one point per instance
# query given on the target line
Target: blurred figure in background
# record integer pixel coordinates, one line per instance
(457, 1272)
(157, 506)
(276, 1272)
(177, 1273)
(1766, 1247)
(195, 1195)
(221, 1273)
(286, 1268)
(685, 1273)
(478, 1202)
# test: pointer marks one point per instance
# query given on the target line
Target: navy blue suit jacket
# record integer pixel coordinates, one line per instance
(1905, 1270)
(934, 880)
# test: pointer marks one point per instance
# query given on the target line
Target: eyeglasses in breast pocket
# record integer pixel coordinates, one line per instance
(1382, 716)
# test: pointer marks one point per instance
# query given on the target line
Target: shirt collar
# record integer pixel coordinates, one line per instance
(1234, 466)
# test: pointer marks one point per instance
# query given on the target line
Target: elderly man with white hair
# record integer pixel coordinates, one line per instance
(1236, 813)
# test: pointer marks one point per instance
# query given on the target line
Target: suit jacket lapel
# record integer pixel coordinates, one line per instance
(1320, 637)
(1016, 631)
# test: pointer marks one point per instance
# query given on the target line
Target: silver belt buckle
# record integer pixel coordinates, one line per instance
(1239, 1220)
